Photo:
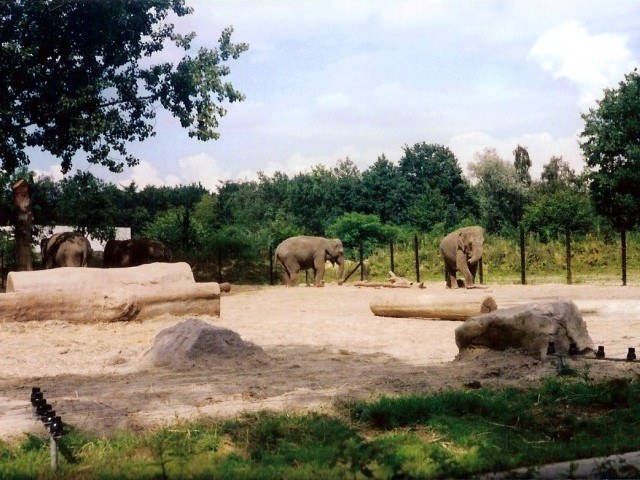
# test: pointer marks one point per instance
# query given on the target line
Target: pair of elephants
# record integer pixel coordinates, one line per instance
(461, 251)
(72, 249)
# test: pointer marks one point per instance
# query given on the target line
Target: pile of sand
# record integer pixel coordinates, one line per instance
(194, 342)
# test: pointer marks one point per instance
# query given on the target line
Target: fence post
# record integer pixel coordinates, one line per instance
(361, 263)
(567, 239)
(523, 275)
(415, 249)
(623, 241)
(480, 272)
(393, 268)
(270, 264)
(219, 265)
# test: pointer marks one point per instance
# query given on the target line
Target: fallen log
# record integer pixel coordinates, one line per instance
(365, 283)
(124, 304)
(433, 308)
(98, 278)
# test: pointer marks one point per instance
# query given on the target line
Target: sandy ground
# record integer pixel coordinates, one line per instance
(321, 346)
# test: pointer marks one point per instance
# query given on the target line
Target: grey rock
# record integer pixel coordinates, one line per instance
(527, 328)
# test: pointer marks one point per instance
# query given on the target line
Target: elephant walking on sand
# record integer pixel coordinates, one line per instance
(304, 252)
(461, 251)
(67, 249)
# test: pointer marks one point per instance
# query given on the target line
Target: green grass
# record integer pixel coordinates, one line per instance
(445, 434)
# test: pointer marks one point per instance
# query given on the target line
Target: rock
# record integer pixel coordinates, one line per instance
(194, 342)
(528, 328)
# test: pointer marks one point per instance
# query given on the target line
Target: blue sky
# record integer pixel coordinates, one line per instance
(327, 80)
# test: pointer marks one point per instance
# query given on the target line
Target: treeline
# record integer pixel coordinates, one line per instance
(426, 193)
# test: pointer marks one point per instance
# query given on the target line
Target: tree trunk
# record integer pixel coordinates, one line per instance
(393, 268)
(433, 308)
(623, 243)
(22, 202)
(567, 243)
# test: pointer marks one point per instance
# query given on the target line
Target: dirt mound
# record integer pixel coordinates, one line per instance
(194, 342)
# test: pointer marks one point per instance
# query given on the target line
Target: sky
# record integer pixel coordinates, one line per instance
(330, 80)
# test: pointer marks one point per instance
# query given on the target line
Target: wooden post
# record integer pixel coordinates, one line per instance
(480, 272)
(567, 240)
(361, 262)
(523, 266)
(53, 447)
(417, 258)
(393, 268)
(22, 202)
(623, 242)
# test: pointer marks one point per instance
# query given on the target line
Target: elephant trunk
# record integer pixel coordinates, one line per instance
(476, 255)
(340, 262)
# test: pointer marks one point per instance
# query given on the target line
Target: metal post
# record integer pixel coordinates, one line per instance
(415, 248)
(393, 268)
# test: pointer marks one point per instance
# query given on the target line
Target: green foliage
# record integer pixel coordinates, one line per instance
(502, 196)
(355, 229)
(563, 210)
(73, 78)
(612, 152)
(447, 434)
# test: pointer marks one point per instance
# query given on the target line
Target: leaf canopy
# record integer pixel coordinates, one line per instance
(79, 76)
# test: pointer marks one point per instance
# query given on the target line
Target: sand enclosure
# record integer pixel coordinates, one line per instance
(319, 345)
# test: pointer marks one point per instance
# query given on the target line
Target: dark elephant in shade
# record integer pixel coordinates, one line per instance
(134, 252)
(461, 251)
(304, 252)
(67, 249)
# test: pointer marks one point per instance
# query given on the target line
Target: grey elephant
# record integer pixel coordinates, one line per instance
(67, 249)
(461, 251)
(134, 252)
(304, 252)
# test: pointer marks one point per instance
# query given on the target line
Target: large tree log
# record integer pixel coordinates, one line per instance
(128, 303)
(433, 308)
(67, 278)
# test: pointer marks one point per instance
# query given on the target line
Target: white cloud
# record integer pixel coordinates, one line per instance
(591, 62)
(145, 174)
(541, 147)
(204, 169)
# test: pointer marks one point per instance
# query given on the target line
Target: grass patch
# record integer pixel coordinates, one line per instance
(445, 434)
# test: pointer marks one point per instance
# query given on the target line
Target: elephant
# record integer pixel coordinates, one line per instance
(67, 249)
(134, 252)
(461, 251)
(303, 252)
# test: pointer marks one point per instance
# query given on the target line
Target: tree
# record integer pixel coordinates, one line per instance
(612, 153)
(560, 213)
(80, 77)
(522, 163)
(556, 175)
(387, 191)
(501, 195)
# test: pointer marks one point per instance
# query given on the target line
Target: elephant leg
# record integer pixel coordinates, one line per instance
(450, 276)
(473, 268)
(463, 266)
(290, 270)
(318, 271)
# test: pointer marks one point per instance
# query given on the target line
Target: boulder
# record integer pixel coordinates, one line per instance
(528, 328)
(195, 342)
